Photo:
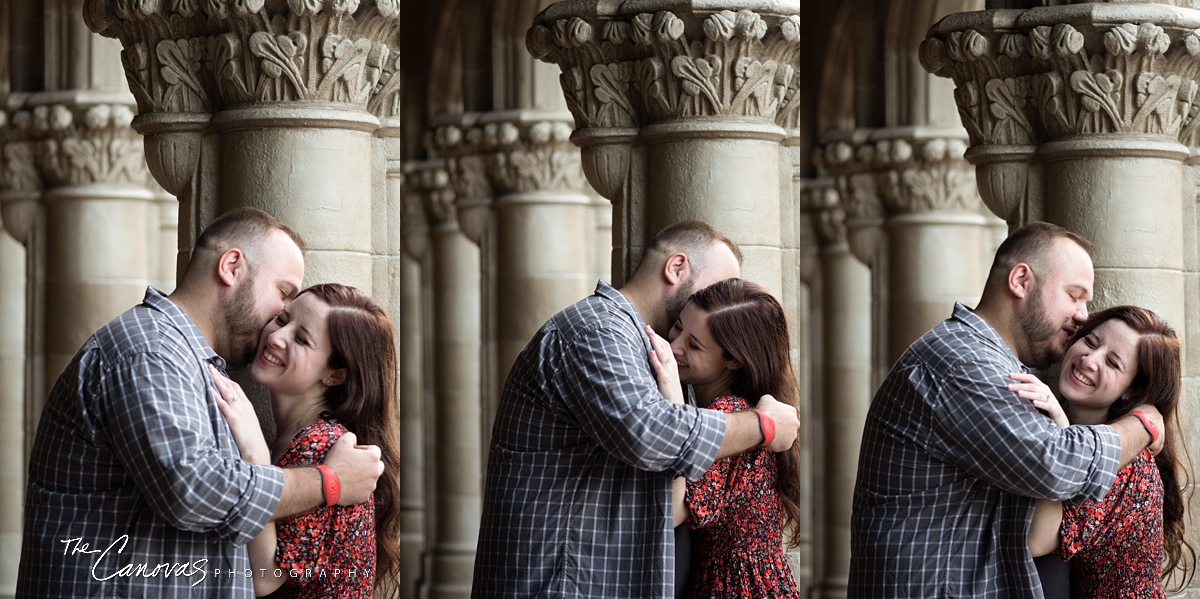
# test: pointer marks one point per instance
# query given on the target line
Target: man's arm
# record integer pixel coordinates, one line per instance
(976, 423)
(157, 418)
(1135, 436)
(606, 383)
(358, 468)
(743, 431)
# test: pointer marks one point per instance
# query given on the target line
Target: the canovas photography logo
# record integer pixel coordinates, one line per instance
(107, 565)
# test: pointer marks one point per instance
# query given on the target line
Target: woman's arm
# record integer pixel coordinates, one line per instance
(1047, 513)
(679, 500)
(1044, 530)
(243, 422)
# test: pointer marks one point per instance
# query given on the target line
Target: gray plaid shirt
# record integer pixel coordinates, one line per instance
(577, 497)
(950, 459)
(136, 487)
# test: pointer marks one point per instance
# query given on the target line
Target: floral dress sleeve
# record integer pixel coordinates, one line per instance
(707, 497)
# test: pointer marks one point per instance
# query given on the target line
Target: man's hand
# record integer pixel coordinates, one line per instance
(787, 422)
(357, 467)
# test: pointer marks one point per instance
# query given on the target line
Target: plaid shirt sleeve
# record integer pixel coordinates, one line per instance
(985, 429)
(615, 398)
(155, 425)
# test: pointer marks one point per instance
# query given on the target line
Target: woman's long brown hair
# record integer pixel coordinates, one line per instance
(362, 341)
(1158, 383)
(750, 326)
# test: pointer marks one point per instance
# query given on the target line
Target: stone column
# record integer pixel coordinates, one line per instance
(677, 106)
(846, 349)
(543, 240)
(19, 189)
(935, 230)
(1070, 106)
(850, 158)
(257, 104)
(96, 195)
(909, 195)
(458, 140)
(1084, 115)
(414, 234)
(455, 266)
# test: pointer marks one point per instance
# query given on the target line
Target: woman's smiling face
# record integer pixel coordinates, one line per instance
(702, 363)
(1098, 369)
(293, 351)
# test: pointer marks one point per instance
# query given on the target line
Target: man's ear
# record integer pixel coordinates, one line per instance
(231, 266)
(1021, 281)
(676, 268)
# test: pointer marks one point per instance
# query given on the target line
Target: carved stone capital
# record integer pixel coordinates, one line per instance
(531, 151)
(852, 160)
(201, 56)
(18, 160)
(627, 67)
(83, 141)
(820, 199)
(925, 171)
(427, 188)
(458, 140)
(1029, 76)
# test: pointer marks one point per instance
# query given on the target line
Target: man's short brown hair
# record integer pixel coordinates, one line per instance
(690, 237)
(1032, 244)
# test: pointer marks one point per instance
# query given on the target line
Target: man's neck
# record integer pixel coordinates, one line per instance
(649, 310)
(1002, 324)
(200, 314)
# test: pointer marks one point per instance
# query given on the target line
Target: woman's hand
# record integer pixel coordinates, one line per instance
(665, 368)
(1039, 394)
(243, 422)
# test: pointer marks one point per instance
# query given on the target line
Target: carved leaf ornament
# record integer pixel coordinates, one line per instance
(204, 55)
(652, 66)
(1050, 81)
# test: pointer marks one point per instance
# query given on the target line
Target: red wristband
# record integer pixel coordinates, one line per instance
(331, 487)
(766, 425)
(1149, 424)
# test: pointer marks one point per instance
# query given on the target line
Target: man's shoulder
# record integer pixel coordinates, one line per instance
(589, 315)
(954, 343)
(138, 330)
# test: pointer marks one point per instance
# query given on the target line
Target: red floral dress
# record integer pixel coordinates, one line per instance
(740, 553)
(1115, 545)
(328, 551)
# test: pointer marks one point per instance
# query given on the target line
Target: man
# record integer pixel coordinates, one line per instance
(136, 487)
(951, 459)
(577, 497)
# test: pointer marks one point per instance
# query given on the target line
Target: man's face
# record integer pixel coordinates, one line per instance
(273, 282)
(1057, 305)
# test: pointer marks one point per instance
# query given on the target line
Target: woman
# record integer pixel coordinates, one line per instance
(731, 345)
(1125, 544)
(329, 361)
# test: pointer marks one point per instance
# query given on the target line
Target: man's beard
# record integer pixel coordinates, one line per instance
(677, 302)
(243, 326)
(1040, 332)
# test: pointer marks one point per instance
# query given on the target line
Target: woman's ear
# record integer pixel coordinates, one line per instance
(337, 377)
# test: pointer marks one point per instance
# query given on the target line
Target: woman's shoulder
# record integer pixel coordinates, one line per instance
(729, 403)
(310, 445)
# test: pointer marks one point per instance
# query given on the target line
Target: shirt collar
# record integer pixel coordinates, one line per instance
(159, 302)
(981, 328)
(623, 304)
